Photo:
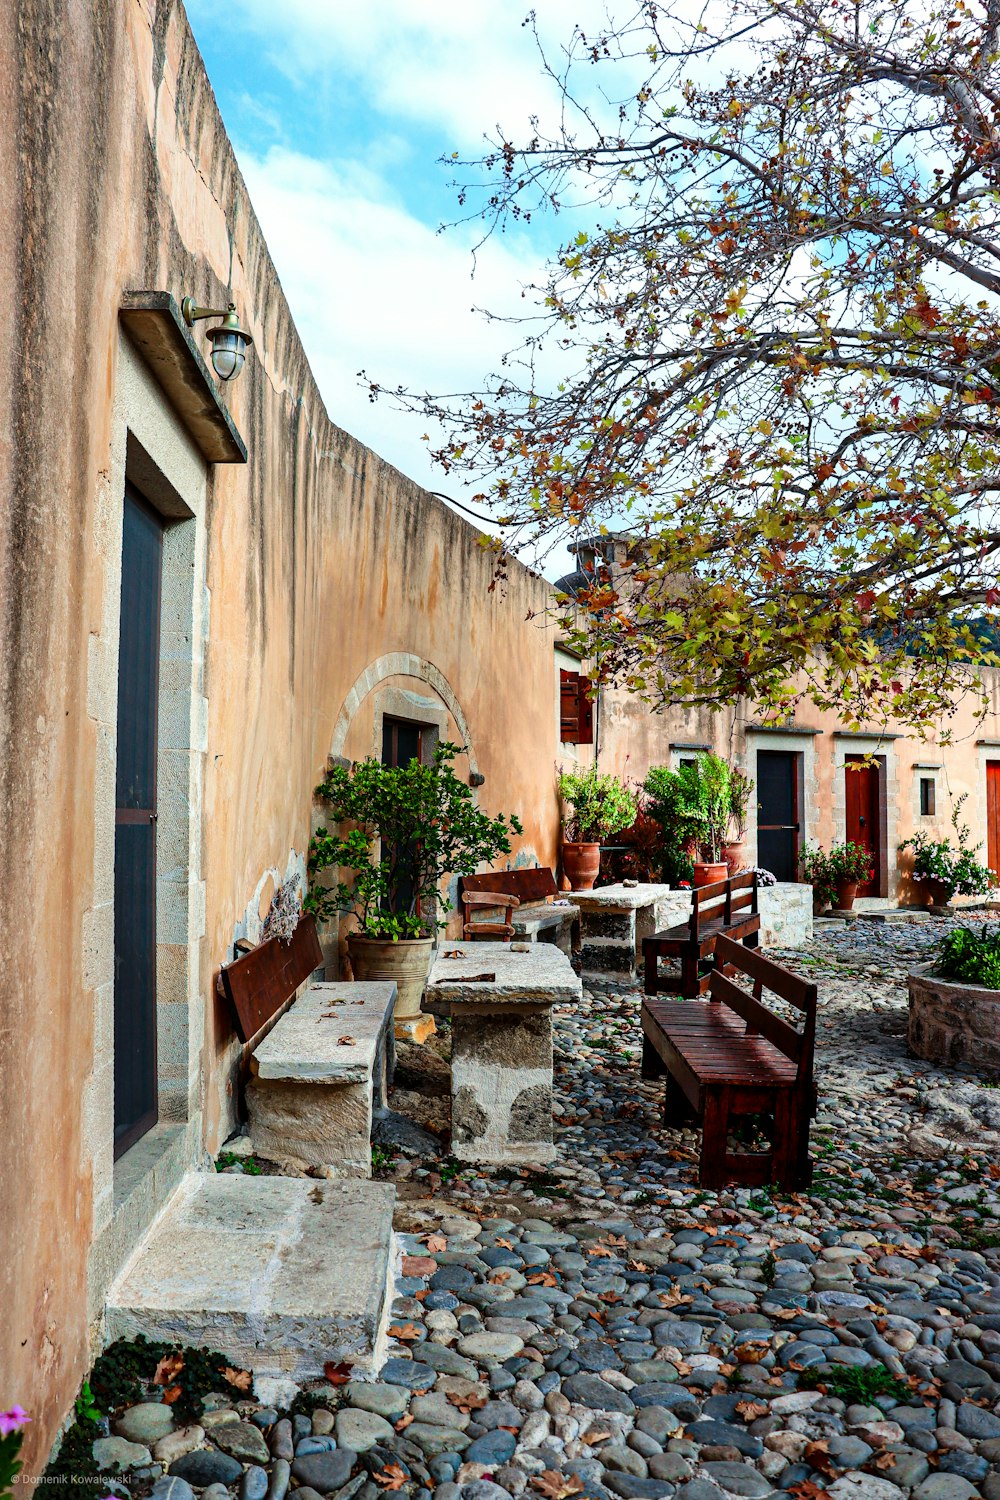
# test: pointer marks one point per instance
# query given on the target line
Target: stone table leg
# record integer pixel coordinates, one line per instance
(501, 1084)
(608, 942)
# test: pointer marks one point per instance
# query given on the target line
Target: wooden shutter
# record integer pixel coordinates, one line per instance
(569, 707)
(576, 711)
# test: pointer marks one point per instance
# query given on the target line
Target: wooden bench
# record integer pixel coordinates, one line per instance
(731, 1056)
(541, 915)
(324, 1067)
(487, 903)
(728, 908)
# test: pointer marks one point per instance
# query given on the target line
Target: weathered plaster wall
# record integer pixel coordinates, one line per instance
(320, 561)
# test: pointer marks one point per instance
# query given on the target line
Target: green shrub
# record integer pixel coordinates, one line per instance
(601, 805)
(971, 955)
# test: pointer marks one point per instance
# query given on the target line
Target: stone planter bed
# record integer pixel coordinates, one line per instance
(954, 1023)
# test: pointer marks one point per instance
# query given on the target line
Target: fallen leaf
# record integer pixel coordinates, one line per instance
(168, 1369)
(505, 1244)
(337, 1374)
(543, 1278)
(817, 1456)
(637, 1265)
(752, 1354)
(885, 1461)
(241, 1379)
(556, 1486)
(408, 1332)
(466, 1400)
(751, 1410)
(404, 1421)
(436, 1242)
(171, 1394)
(346, 1041)
(599, 1250)
(807, 1490)
(392, 1477)
(674, 1298)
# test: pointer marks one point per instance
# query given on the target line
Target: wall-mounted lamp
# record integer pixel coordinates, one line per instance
(230, 341)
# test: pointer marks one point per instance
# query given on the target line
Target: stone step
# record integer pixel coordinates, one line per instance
(280, 1274)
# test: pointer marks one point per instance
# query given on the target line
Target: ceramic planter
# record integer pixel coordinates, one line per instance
(847, 890)
(708, 874)
(407, 962)
(736, 856)
(938, 892)
(581, 863)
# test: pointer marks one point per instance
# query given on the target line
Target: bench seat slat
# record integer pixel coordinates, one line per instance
(757, 1016)
(715, 927)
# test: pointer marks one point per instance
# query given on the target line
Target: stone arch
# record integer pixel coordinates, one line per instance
(402, 664)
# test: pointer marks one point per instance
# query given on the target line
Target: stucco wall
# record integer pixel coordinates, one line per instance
(320, 561)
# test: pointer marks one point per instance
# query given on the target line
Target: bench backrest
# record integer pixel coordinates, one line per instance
(526, 884)
(263, 980)
(767, 975)
(723, 899)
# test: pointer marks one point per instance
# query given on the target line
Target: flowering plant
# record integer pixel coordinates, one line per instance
(11, 1435)
(956, 868)
(845, 862)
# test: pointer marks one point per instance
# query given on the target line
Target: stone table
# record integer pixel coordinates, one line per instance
(614, 919)
(501, 1048)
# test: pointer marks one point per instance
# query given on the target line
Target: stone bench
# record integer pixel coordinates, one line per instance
(556, 922)
(320, 1073)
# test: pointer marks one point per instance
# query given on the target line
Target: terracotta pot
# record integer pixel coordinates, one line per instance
(938, 892)
(820, 903)
(736, 856)
(706, 874)
(847, 890)
(407, 962)
(581, 863)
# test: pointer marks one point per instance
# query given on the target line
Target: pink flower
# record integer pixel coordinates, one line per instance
(13, 1420)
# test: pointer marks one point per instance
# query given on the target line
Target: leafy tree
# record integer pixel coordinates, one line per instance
(779, 350)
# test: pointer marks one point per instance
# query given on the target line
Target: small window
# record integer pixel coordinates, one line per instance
(576, 711)
(927, 796)
(688, 760)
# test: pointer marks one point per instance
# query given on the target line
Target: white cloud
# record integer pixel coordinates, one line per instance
(372, 287)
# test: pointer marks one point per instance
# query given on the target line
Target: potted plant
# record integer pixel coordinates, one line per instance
(816, 871)
(835, 877)
(694, 807)
(600, 806)
(942, 870)
(740, 788)
(413, 826)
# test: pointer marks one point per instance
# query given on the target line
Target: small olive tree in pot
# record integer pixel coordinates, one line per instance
(414, 826)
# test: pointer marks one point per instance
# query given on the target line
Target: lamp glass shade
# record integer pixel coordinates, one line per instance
(228, 352)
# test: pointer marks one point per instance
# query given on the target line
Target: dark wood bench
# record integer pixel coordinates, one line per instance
(731, 1056)
(541, 913)
(728, 908)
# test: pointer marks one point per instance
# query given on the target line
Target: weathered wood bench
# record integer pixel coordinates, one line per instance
(728, 908)
(731, 1056)
(324, 1066)
(541, 914)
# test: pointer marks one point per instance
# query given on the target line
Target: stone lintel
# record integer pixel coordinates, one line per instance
(543, 976)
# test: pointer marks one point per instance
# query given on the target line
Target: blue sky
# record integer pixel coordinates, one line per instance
(339, 115)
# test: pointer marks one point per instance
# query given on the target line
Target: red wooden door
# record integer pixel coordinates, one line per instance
(993, 814)
(861, 787)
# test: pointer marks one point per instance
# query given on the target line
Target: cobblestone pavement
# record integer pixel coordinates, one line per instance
(603, 1328)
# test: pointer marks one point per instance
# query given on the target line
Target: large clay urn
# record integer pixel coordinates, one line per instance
(708, 874)
(407, 961)
(847, 890)
(581, 863)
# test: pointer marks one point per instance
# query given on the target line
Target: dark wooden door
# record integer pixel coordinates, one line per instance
(135, 824)
(861, 787)
(993, 815)
(402, 742)
(779, 812)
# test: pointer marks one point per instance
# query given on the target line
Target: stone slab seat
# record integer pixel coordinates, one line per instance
(280, 1274)
(320, 1073)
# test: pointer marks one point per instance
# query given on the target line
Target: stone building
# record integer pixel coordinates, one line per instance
(204, 593)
